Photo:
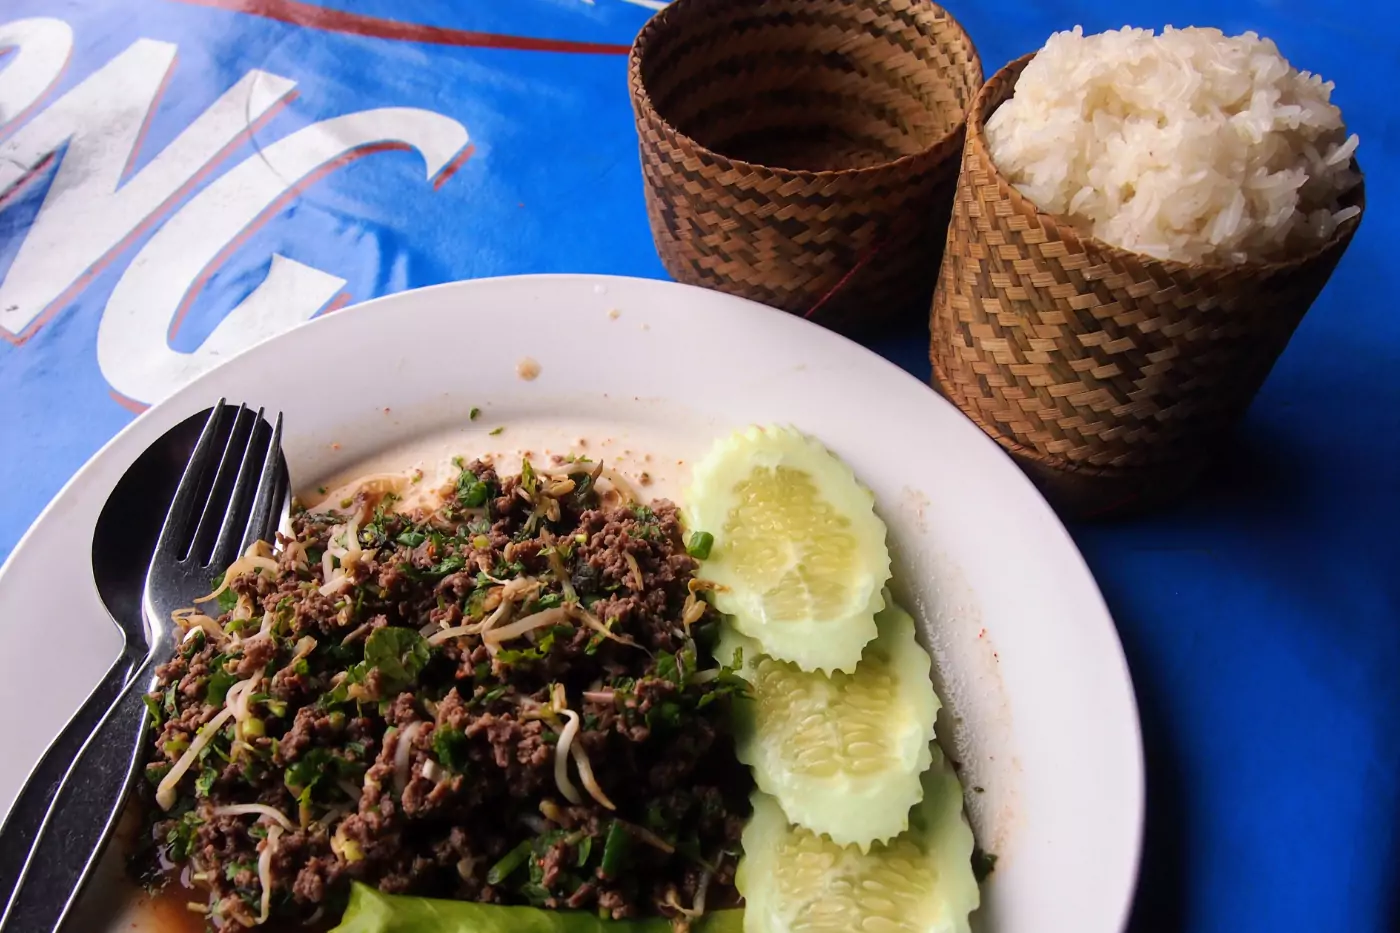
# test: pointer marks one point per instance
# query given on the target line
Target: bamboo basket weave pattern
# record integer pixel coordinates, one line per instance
(1090, 360)
(803, 152)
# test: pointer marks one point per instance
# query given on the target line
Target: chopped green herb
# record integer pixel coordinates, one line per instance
(398, 653)
(700, 544)
(475, 414)
(234, 868)
(507, 866)
(315, 769)
(205, 782)
(665, 715)
(450, 748)
(274, 707)
(153, 707)
(616, 850)
(668, 668)
(537, 894)
(585, 849)
(217, 688)
(181, 836)
(448, 565)
(321, 490)
(495, 431)
(472, 493)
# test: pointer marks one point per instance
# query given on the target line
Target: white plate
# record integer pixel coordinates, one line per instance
(1042, 711)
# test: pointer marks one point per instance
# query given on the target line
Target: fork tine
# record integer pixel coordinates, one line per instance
(237, 515)
(216, 502)
(171, 543)
(266, 512)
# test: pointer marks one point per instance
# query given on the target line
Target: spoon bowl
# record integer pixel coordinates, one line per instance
(123, 541)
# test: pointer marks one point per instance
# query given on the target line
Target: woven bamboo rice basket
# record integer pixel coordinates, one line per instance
(1110, 376)
(803, 153)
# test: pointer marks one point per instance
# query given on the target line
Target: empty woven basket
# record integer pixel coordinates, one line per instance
(1109, 375)
(803, 153)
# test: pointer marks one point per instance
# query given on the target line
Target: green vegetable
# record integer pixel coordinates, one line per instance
(616, 849)
(306, 773)
(700, 544)
(450, 748)
(318, 767)
(540, 651)
(274, 706)
(372, 912)
(506, 866)
(843, 754)
(233, 868)
(411, 538)
(228, 599)
(475, 414)
(921, 881)
(668, 668)
(398, 653)
(181, 836)
(436, 572)
(495, 431)
(153, 707)
(217, 688)
(472, 493)
(205, 782)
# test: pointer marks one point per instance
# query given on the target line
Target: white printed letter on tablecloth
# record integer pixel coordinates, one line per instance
(43, 47)
(92, 207)
(133, 348)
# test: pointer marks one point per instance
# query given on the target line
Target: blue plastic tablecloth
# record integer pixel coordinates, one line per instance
(1261, 618)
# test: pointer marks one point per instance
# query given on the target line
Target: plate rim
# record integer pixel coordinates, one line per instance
(159, 410)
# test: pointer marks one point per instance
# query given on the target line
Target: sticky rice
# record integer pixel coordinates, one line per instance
(1190, 145)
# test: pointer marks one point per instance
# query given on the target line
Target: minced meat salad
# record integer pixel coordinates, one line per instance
(499, 700)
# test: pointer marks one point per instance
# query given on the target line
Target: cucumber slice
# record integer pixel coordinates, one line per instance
(799, 554)
(842, 754)
(795, 881)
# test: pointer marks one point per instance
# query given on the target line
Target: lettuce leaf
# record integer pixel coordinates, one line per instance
(372, 912)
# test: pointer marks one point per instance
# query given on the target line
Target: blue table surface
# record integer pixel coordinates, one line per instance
(1261, 617)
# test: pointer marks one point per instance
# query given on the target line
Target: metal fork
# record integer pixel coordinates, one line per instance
(232, 494)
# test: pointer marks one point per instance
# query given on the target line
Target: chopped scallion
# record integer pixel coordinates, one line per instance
(700, 544)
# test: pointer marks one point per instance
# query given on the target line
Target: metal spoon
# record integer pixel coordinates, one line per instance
(122, 544)
(232, 493)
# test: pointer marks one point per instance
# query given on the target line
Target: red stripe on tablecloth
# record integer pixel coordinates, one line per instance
(357, 24)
